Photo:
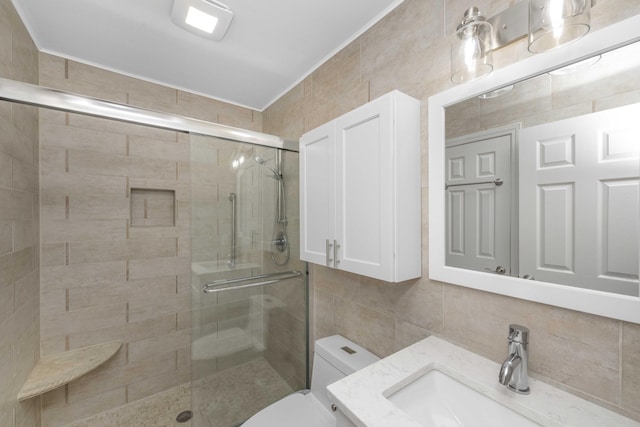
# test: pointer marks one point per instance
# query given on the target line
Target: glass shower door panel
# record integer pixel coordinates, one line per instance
(249, 342)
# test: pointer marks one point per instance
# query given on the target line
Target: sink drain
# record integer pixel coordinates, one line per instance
(184, 416)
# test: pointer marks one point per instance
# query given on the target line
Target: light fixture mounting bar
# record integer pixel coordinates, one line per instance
(510, 25)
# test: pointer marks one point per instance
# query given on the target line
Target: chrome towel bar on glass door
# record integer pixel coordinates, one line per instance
(263, 279)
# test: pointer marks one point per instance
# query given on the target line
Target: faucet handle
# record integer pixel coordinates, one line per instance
(518, 333)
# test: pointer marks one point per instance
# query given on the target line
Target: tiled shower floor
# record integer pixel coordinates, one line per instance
(224, 399)
(231, 396)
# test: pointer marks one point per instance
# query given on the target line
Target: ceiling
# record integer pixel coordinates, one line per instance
(270, 47)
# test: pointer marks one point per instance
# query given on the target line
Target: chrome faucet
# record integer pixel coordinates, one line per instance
(514, 370)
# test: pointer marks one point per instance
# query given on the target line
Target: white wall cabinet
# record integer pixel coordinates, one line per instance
(360, 190)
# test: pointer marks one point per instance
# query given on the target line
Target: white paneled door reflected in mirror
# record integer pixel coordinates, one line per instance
(539, 170)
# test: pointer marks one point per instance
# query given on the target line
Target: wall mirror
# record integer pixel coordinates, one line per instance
(533, 177)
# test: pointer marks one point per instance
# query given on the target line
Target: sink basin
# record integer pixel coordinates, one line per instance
(438, 400)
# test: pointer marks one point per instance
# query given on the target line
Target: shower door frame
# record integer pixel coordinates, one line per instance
(39, 96)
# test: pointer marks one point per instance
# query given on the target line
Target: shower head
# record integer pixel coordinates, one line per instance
(262, 162)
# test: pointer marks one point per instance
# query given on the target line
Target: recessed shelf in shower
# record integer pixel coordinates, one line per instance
(152, 207)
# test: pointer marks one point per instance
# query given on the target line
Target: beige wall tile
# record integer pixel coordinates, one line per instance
(340, 283)
(133, 331)
(55, 230)
(91, 163)
(6, 172)
(27, 289)
(16, 265)
(15, 205)
(407, 334)
(6, 302)
(158, 149)
(69, 137)
(152, 96)
(25, 234)
(124, 291)
(98, 206)
(368, 327)
(6, 237)
(158, 346)
(141, 269)
(71, 276)
(53, 254)
(113, 126)
(19, 247)
(75, 321)
(323, 315)
(72, 185)
(157, 304)
(630, 367)
(120, 250)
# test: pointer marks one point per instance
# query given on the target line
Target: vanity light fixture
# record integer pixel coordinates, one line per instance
(547, 23)
(471, 50)
(553, 23)
(206, 18)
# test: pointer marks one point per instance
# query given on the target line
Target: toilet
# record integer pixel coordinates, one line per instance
(335, 357)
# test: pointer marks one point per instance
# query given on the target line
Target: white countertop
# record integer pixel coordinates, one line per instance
(361, 396)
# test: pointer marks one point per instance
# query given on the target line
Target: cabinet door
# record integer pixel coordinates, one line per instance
(364, 183)
(317, 193)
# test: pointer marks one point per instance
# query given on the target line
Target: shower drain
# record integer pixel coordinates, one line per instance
(184, 416)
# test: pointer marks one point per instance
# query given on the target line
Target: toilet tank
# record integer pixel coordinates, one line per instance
(336, 357)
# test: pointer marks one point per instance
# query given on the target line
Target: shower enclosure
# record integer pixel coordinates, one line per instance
(248, 293)
(175, 236)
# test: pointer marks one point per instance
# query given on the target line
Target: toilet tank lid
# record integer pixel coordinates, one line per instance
(344, 354)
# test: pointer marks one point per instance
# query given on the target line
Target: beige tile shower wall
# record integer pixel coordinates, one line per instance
(284, 310)
(408, 50)
(104, 278)
(19, 226)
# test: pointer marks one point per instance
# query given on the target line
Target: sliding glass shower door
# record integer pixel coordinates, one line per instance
(248, 285)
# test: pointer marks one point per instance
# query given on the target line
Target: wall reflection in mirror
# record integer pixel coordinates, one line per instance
(542, 178)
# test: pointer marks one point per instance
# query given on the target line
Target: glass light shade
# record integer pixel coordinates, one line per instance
(553, 23)
(471, 52)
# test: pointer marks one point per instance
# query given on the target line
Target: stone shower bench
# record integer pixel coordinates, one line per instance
(59, 369)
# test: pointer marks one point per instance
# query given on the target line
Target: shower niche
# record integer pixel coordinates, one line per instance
(151, 207)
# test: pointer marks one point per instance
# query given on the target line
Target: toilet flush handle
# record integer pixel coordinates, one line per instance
(334, 408)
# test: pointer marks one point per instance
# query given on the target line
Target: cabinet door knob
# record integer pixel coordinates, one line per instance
(328, 252)
(336, 246)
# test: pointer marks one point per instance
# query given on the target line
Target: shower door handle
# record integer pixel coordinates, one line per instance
(328, 246)
(231, 263)
(336, 246)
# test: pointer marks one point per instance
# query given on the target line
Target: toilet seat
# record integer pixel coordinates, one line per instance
(295, 410)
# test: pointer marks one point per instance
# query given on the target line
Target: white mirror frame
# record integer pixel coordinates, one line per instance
(611, 305)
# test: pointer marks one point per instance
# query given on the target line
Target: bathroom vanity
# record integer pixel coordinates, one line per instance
(436, 380)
